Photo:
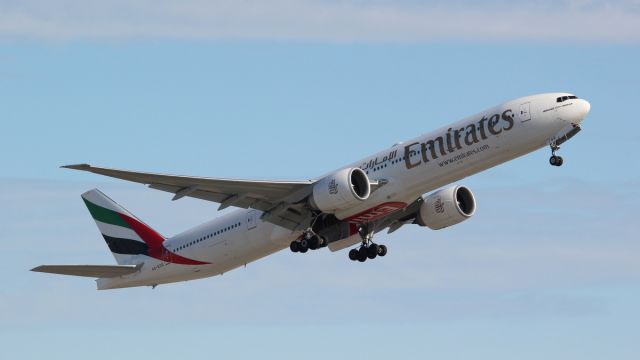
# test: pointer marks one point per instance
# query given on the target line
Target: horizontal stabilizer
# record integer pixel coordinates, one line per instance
(95, 271)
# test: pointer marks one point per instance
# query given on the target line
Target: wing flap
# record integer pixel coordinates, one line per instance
(245, 203)
(94, 271)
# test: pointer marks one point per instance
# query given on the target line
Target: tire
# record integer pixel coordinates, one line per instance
(553, 160)
(559, 161)
(362, 254)
(294, 246)
(303, 249)
(353, 254)
(314, 243)
(372, 251)
(382, 250)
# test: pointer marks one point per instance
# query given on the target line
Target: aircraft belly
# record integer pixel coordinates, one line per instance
(249, 245)
(264, 240)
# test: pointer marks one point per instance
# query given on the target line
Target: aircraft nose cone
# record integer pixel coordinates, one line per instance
(586, 107)
(582, 108)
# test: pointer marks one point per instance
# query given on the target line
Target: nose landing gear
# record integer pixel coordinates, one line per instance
(555, 160)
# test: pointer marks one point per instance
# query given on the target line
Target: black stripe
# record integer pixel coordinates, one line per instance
(126, 246)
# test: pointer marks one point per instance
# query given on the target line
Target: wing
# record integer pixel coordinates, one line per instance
(95, 271)
(396, 220)
(279, 200)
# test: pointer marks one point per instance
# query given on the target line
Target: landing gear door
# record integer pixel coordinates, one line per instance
(252, 219)
(525, 112)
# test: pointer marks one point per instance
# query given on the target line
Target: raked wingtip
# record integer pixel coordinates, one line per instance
(76, 166)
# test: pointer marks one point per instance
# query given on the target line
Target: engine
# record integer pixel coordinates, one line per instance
(446, 207)
(340, 190)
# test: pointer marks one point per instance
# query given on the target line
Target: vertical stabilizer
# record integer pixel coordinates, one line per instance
(125, 234)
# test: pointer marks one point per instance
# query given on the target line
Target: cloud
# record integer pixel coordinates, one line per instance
(334, 21)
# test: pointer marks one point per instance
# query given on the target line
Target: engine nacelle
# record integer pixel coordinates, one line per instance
(340, 190)
(446, 207)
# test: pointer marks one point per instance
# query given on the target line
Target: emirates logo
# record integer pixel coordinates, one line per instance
(333, 187)
(439, 206)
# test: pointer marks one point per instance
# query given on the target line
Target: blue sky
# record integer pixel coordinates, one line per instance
(548, 267)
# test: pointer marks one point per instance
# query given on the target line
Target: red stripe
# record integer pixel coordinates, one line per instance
(165, 255)
(376, 212)
(155, 242)
(147, 234)
(353, 229)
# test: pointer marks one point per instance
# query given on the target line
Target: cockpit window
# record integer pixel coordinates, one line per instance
(565, 98)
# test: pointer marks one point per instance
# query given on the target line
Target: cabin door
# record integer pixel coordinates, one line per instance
(525, 112)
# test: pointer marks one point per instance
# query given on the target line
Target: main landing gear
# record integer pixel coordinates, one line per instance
(368, 249)
(555, 160)
(308, 241)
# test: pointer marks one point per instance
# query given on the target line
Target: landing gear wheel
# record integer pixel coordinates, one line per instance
(362, 254)
(314, 243)
(556, 160)
(372, 251)
(303, 249)
(368, 249)
(294, 246)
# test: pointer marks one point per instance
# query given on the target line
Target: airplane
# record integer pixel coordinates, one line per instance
(342, 209)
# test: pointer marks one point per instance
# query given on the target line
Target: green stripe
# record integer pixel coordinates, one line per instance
(105, 215)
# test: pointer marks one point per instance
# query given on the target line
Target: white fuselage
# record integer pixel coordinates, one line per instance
(411, 168)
